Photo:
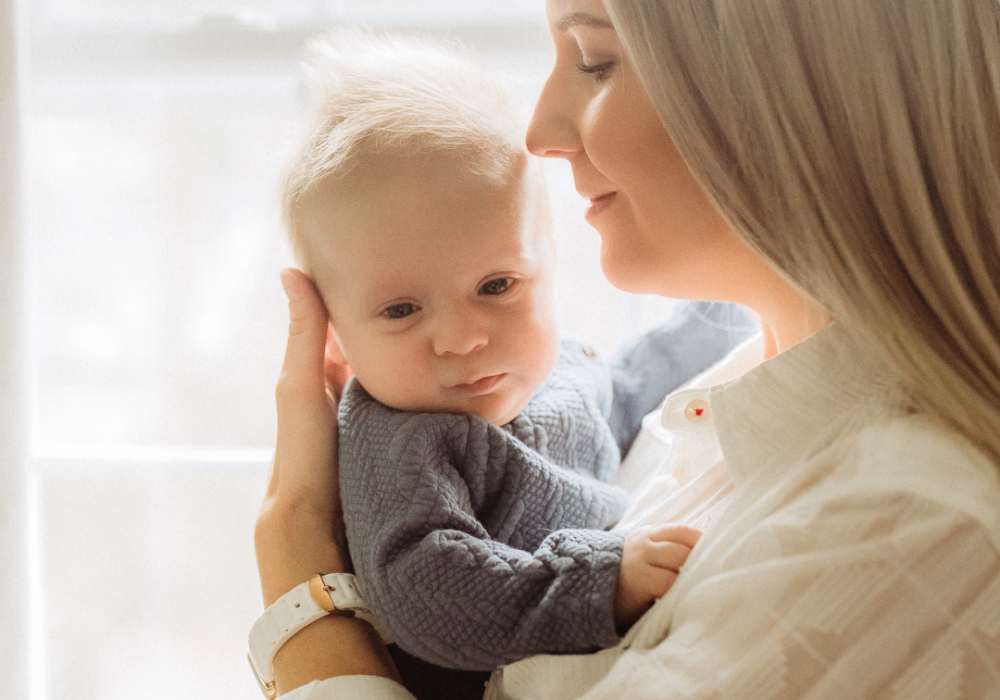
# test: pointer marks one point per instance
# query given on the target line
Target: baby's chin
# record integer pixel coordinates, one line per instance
(501, 416)
(498, 409)
(495, 410)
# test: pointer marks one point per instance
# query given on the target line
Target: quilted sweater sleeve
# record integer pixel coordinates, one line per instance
(420, 492)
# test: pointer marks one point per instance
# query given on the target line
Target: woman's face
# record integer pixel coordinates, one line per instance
(659, 233)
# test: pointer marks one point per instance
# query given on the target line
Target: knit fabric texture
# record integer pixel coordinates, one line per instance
(479, 545)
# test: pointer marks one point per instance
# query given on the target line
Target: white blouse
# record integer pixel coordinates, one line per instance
(852, 548)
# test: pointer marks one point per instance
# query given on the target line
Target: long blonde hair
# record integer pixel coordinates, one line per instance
(856, 145)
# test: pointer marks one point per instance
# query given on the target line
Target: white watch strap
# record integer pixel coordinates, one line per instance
(301, 606)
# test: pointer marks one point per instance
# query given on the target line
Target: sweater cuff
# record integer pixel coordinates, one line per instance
(600, 579)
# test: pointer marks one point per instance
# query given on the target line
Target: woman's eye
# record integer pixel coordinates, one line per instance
(600, 71)
(497, 286)
(399, 311)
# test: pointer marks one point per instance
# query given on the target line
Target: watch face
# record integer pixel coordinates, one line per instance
(270, 690)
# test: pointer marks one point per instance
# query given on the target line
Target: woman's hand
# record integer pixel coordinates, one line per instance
(300, 527)
(309, 388)
(651, 561)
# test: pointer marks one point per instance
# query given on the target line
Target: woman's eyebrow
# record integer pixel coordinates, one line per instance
(582, 19)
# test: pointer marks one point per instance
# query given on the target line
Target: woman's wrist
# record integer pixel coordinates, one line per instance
(330, 647)
(292, 545)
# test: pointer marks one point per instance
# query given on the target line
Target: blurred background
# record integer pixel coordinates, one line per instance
(154, 134)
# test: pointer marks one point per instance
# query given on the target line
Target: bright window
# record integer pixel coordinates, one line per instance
(155, 131)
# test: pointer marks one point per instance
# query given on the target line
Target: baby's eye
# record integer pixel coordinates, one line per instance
(399, 310)
(497, 286)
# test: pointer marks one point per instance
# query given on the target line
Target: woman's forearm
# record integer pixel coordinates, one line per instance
(292, 546)
(330, 647)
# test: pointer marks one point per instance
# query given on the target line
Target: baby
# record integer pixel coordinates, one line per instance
(475, 455)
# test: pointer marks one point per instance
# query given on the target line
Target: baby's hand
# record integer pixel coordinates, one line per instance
(651, 560)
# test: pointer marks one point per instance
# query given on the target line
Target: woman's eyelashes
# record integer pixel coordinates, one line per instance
(600, 71)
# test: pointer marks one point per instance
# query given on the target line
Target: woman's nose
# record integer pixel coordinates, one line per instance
(553, 131)
(459, 334)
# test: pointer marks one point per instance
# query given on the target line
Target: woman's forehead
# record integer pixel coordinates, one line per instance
(566, 14)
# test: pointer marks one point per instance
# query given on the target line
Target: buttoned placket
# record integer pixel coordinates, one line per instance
(688, 415)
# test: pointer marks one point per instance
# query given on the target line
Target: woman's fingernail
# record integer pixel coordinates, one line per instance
(288, 284)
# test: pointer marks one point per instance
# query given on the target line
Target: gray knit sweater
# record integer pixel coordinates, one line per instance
(469, 539)
(456, 526)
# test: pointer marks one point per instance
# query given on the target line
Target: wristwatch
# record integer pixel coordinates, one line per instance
(321, 595)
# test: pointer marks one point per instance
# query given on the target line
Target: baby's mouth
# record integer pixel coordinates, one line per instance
(481, 385)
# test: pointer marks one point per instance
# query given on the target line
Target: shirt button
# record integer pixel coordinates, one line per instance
(680, 469)
(589, 352)
(697, 411)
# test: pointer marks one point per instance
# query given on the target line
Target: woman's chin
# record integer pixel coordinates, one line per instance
(640, 277)
(628, 275)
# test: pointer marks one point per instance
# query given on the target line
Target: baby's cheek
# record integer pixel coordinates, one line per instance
(538, 356)
(546, 350)
(415, 391)
(392, 380)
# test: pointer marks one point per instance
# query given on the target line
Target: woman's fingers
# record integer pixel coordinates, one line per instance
(302, 372)
(304, 472)
(299, 530)
(335, 368)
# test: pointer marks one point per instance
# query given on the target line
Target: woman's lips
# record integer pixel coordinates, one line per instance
(599, 204)
(481, 386)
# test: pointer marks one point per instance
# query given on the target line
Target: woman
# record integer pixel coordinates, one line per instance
(829, 159)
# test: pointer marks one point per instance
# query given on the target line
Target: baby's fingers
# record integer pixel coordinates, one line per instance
(657, 581)
(681, 534)
(665, 555)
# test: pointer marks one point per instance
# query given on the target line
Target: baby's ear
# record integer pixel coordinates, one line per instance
(333, 351)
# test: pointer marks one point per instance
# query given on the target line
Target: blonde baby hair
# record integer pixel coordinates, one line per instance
(856, 145)
(374, 96)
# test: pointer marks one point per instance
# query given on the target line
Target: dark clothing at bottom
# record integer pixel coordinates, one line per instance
(429, 682)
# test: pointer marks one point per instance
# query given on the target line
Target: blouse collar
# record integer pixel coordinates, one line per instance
(781, 405)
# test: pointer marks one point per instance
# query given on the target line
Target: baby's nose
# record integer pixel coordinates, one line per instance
(460, 336)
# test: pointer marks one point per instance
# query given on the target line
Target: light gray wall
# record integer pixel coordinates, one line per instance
(13, 396)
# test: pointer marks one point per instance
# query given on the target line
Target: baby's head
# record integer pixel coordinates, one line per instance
(424, 224)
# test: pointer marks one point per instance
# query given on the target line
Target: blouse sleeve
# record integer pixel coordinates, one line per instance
(890, 596)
